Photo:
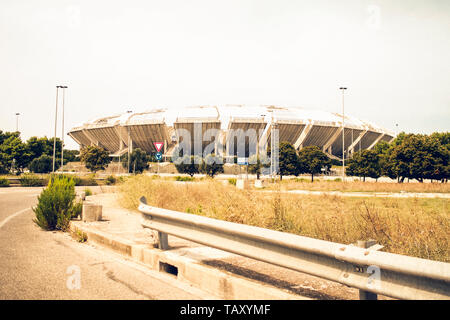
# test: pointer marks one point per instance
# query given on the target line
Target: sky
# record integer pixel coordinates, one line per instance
(134, 55)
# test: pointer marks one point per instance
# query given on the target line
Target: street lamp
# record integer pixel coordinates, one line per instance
(56, 118)
(343, 134)
(62, 143)
(17, 122)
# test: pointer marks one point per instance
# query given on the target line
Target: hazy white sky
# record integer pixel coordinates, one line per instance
(134, 55)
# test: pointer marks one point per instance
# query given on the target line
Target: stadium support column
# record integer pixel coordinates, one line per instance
(274, 154)
(299, 143)
(130, 147)
(376, 141)
(330, 141)
(351, 148)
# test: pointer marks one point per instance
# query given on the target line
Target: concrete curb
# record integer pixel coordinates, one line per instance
(222, 284)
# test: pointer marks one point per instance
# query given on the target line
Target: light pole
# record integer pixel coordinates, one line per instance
(129, 139)
(56, 118)
(343, 134)
(17, 122)
(62, 131)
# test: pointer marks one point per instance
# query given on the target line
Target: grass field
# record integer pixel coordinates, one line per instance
(359, 186)
(415, 227)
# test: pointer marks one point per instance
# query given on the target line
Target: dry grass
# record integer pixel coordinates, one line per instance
(415, 227)
(359, 186)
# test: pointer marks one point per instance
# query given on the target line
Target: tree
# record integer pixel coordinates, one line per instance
(442, 170)
(212, 165)
(6, 135)
(188, 164)
(71, 155)
(14, 150)
(256, 163)
(313, 160)
(94, 158)
(419, 157)
(43, 164)
(138, 161)
(39, 146)
(288, 162)
(383, 149)
(365, 163)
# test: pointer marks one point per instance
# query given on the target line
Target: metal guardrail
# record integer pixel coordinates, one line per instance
(370, 271)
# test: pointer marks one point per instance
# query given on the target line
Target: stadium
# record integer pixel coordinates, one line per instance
(121, 133)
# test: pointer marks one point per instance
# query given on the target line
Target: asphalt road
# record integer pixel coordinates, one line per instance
(37, 264)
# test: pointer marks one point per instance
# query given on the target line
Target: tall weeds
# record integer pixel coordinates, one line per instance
(416, 227)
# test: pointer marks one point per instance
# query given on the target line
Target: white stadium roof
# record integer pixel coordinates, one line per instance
(299, 126)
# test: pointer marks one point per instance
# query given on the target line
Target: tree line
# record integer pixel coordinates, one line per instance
(409, 156)
(36, 154)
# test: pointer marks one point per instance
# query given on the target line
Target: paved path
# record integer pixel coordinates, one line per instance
(36, 264)
(374, 194)
(366, 194)
(127, 224)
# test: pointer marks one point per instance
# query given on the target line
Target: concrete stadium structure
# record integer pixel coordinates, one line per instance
(301, 127)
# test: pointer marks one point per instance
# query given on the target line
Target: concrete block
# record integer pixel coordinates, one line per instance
(260, 184)
(91, 212)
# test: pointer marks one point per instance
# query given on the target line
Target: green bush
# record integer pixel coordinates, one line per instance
(87, 192)
(4, 182)
(232, 181)
(31, 180)
(212, 165)
(110, 180)
(180, 178)
(56, 204)
(88, 181)
(43, 164)
(77, 208)
(76, 179)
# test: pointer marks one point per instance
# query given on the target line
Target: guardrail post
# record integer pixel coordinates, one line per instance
(163, 241)
(366, 295)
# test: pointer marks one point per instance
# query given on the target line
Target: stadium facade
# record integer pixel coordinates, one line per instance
(121, 133)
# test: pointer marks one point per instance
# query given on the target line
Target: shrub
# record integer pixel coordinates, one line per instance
(232, 181)
(80, 236)
(43, 164)
(303, 180)
(76, 179)
(180, 178)
(188, 164)
(138, 161)
(88, 181)
(31, 180)
(212, 165)
(88, 192)
(110, 180)
(56, 204)
(3, 169)
(4, 182)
